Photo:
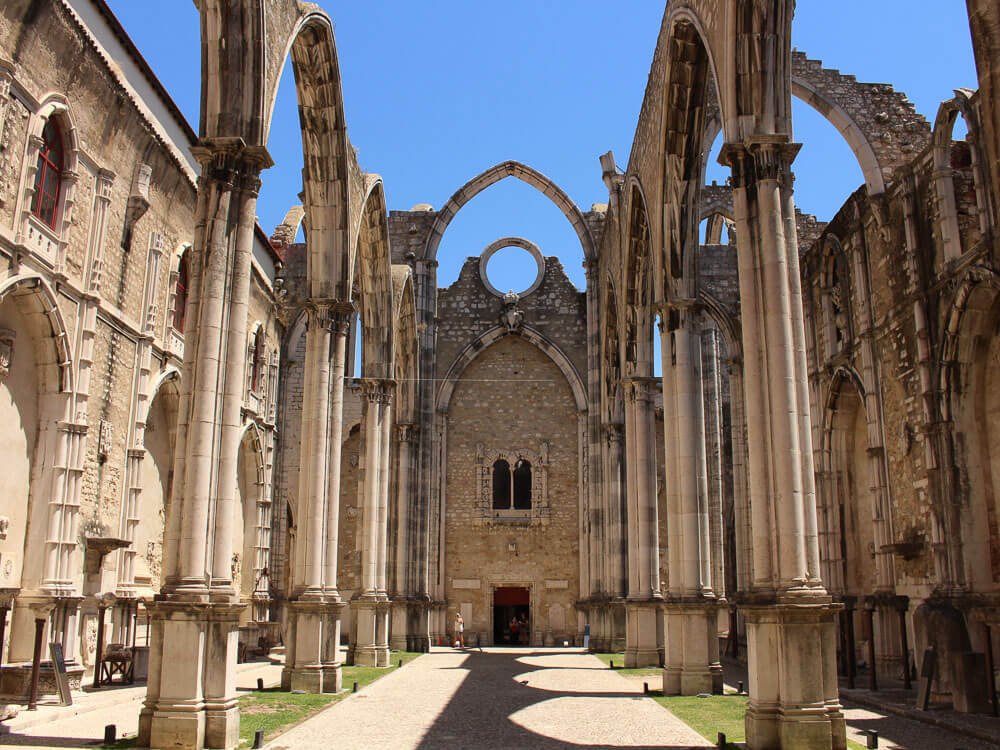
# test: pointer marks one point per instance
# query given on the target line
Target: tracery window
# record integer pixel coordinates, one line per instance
(48, 175)
(513, 486)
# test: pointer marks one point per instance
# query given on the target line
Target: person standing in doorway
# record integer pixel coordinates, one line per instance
(459, 630)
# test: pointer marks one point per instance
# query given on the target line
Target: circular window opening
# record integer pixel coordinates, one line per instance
(507, 268)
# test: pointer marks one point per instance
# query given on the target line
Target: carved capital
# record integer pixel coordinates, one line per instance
(760, 158)
(231, 162)
(378, 391)
(406, 432)
(637, 389)
(613, 432)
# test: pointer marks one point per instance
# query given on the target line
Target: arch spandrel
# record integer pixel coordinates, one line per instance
(495, 174)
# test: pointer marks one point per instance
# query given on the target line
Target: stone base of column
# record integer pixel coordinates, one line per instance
(616, 626)
(792, 660)
(438, 627)
(597, 618)
(691, 648)
(642, 628)
(312, 657)
(369, 644)
(419, 636)
(399, 629)
(191, 698)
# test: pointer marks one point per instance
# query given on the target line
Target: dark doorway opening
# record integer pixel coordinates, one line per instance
(511, 616)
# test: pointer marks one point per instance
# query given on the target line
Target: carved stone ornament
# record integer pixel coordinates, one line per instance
(511, 317)
(7, 337)
(4, 526)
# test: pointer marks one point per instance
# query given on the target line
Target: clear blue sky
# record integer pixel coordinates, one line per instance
(437, 92)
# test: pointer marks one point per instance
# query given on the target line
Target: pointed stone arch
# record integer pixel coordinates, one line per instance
(372, 283)
(495, 174)
(529, 334)
(49, 328)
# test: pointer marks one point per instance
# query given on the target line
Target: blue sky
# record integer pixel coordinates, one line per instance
(438, 92)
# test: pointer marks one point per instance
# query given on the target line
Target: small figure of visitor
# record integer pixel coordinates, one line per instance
(514, 628)
(459, 631)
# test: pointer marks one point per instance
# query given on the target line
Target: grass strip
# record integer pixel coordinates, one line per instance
(714, 714)
(619, 661)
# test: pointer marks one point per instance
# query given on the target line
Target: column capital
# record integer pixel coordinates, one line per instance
(378, 390)
(613, 431)
(637, 388)
(231, 161)
(333, 315)
(406, 431)
(760, 157)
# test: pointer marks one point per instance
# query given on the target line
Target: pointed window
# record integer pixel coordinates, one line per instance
(181, 291)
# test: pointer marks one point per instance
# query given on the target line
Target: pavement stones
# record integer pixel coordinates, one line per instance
(496, 698)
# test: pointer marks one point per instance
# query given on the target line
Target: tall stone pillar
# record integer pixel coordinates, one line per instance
(690, 613)
(312, 660)
(191, 698)
(401, 638)
(790, 617)
(370, 646)
(642, 608)
(615, 569)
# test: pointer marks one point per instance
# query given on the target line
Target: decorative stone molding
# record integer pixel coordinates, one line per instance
(7, 337)
(512, 316)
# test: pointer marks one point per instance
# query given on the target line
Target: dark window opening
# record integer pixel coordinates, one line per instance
(257, 360)
(181, 292)
(501, 485)
(522, 485)
(48, 176)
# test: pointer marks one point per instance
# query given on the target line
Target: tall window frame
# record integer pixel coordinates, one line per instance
(49, 172)
(513, 486)
(181, 291)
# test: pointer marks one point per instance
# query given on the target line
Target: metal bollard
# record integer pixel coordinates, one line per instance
(872, 739)
(645, 688)
(612, 665)
(258, 739)
(355, 689)
(722, 741)
(739, 687)
(260, 683)
(110, 734)
(400, 663)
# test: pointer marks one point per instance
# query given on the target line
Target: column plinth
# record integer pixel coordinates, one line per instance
(312, 660)
(792, 659)
(692, 647)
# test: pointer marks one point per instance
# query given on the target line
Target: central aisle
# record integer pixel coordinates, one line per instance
(499, 698)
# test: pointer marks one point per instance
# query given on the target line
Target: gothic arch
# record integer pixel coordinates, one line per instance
(49, 330)
(494, 175)
(407, 354)
(637, 282)
(481, 344)
(371, 287)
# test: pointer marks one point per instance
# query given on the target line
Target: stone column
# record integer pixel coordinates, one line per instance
(642, 607)
(369, 646)
(616, 574)
(191, 698)
(790, 617)
(312, 660)
(402, 590)
(690, 613)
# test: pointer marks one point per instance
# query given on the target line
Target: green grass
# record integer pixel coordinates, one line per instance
(717, 713)
(619, 660)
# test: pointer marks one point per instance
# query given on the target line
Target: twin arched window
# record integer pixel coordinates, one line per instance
(48, 176)
(511, 486)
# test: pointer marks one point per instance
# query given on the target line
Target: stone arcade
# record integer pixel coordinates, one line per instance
(812, 482)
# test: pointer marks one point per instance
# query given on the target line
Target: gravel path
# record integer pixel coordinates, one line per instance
(500, 698)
